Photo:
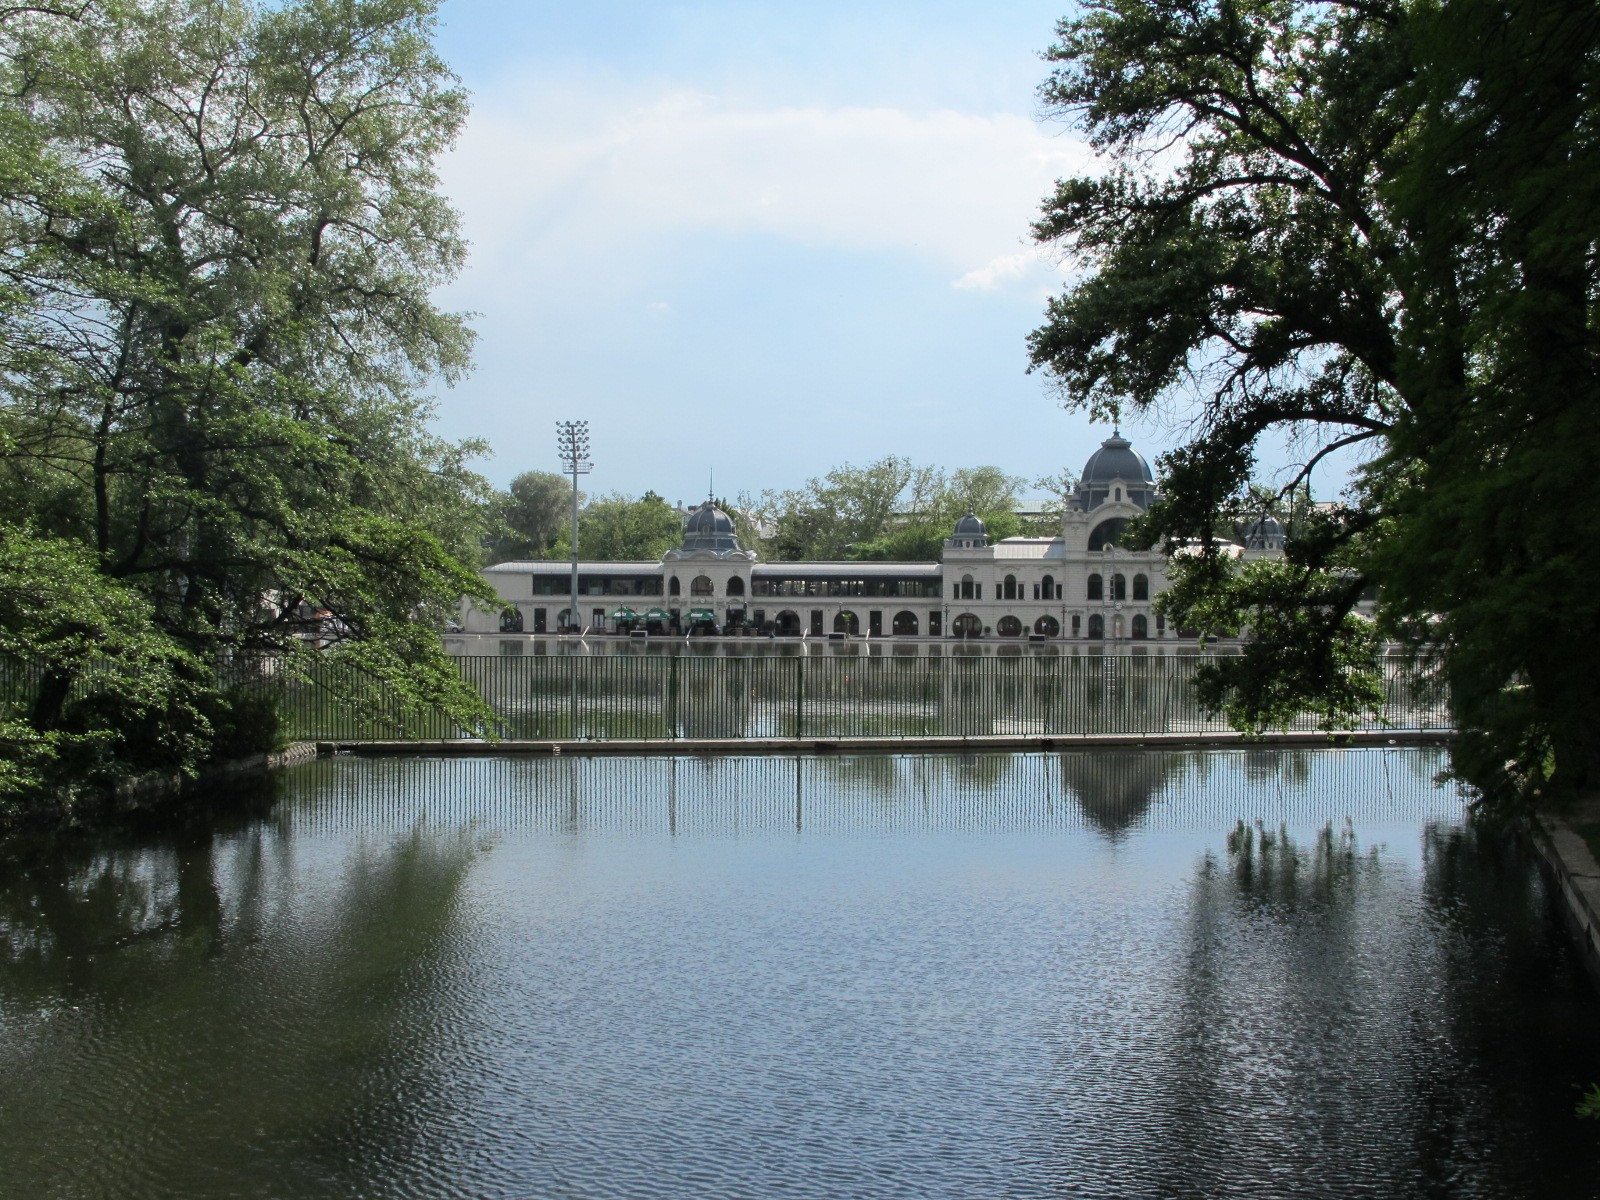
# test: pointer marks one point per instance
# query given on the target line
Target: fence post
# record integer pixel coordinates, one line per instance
(672, 695)
(799, 691)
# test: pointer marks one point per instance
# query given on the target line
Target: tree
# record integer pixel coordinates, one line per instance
(531, 516)
(890, 509)
(221, 231)
(1374, 224)
(615, 528)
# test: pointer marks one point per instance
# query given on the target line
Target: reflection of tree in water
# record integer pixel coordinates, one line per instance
(214, 997)
(1115, 788)
(1325, 998)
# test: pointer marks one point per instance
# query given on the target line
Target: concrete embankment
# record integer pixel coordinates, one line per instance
(1571, 868)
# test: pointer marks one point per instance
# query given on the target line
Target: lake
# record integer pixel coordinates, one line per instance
(1252, 973)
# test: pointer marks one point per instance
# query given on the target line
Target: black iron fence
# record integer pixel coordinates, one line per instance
(670, 697)
(673, 697)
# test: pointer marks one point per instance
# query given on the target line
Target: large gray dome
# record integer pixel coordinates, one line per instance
(1117, 459)
(709, 528)
(970, 526)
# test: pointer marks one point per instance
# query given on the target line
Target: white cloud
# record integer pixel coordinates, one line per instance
(596, 177)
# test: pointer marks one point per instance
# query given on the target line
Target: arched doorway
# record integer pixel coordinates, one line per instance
(1047, 626)
(905, 624)
(846, 622)
(701, 586)
(1008, 626)
(511, 620)
(1097, 625)
(967, 626)
(1141, 627)
(787, 623)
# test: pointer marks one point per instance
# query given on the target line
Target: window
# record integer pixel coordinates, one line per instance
(673, 588)
(1097, 625)
(966, 592)
(1141, 588)
(1096, 588)
(1075, 625)
(1047, 626)
(905, 624)
(736, 586)
(702, 586)
(1008, 590)
(1049, 586)
(1141, 627)
(1008, 627)
(1119, 587)
(511, 620)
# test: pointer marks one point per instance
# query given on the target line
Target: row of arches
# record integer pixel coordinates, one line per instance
(1119, 587)
(701, 585)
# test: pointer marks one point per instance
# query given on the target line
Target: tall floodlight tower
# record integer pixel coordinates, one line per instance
(572, 442)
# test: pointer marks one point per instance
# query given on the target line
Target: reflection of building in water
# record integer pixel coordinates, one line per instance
(1080, 585)
(1115, 788)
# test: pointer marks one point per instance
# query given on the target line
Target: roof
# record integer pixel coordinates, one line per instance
(1117, 459)
(546, 566)
(846, 570)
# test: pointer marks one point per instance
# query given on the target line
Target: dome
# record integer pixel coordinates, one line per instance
(1264, 533)
(970, 526)
(1117, 459)
(709, 528)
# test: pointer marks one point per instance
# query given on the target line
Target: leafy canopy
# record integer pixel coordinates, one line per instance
(1374, 225)
(221, 232)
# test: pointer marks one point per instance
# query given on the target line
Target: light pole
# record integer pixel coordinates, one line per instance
(572, 443)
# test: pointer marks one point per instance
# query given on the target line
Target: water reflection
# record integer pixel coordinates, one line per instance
(1112, 975)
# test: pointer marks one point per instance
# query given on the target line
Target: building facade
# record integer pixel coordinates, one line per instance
(1078, 585)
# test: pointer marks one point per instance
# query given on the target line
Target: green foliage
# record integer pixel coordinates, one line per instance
(1589, 1106)
(527, 521)
(617, 529)
(889, 510)
(221, 233)
(1370, 225)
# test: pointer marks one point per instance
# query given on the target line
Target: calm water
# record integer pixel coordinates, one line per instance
(998, 976)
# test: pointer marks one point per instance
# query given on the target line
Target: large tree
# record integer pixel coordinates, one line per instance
(221, 230)
(1374, 224)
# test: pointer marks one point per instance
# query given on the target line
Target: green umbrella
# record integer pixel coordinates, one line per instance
(702, 614)
(624, 614)
(657, 614)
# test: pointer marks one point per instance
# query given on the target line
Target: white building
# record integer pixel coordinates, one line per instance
(1078, 585)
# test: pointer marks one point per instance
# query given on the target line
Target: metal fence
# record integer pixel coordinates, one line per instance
(670, 697)
(675, 696)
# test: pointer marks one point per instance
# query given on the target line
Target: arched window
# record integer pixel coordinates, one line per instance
(846, 622)
(1097, 625)
(1096, 588)
(905, 624)
(966, 588)
(1119, 493)
(1076, 625)
(1141, 627)
(1048, 587)
(1008, 627)
(1119, 587)
(1141, 588)
(672, 587)
(1008, 590)
(701, 586)
(966, 626)
(1047, 626)
(511, 620)
(736, 586)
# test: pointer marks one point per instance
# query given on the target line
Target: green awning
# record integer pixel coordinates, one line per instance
(624, 614)
(657, 614)
(702, 614)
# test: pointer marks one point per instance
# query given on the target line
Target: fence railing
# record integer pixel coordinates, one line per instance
(674, 697)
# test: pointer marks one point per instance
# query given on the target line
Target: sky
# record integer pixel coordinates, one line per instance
(757, 239)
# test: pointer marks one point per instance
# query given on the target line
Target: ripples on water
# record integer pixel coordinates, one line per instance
(1028, 975)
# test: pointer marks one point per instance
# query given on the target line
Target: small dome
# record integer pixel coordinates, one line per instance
(1117, 459)
(970, 526)
(1264, 533)
(709, 528)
